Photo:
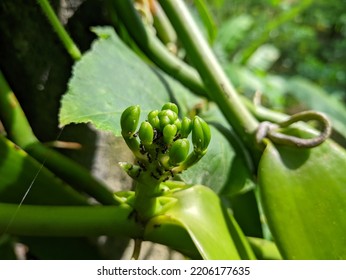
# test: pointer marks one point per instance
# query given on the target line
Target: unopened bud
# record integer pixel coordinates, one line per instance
(200, 135)
(170, 106)
(179, 150)
(146, 133)
(169, 133)
(129, 120)
(167, 117)
(186, 126)
(153, 119)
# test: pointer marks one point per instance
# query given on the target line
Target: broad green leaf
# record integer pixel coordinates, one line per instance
(304, 198)
(18, 173)
(163, 230)
(214, 233)
(314, 97)
(108, 79)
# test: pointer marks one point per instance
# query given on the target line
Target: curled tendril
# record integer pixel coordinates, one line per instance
(271, 130)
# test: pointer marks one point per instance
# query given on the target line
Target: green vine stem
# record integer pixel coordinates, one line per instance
(216, 82)
(146, 201)
(19, 131)
(33, 220)
(68, 43)
(163, 27)
(156, 50)
(262, 113)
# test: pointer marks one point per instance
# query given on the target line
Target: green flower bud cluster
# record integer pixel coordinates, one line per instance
(161, 145)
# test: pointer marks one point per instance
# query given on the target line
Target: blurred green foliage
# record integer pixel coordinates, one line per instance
(266, 45)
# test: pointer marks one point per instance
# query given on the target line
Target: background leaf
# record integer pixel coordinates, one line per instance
(207, 19)
(311, 96)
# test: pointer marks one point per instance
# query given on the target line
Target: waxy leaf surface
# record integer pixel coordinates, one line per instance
(304, 199)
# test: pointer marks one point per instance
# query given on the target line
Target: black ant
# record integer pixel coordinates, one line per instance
(155, 177)
(142, 165)
(142, 149)
(176, 137)
(149, 158)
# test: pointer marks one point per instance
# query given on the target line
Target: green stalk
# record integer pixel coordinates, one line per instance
(68, 43)
(12, 116)
(164, 29)
(263, 114)
(156, 50)
(146, 201)
(33, 220)
(19, 131)
(217, 83)
(79, 221)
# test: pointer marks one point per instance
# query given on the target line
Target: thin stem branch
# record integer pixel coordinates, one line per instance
(12, 116)
(163, 27)
(216, 82)
(68, 43)
(136, 249)
(19, 131)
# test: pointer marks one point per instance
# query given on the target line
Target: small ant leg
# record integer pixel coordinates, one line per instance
(164, 150)
(157, 150)
(164, 180)
(155, 135)
(142, 165)
(158, 170)
(149, 158)
(139, 172)
(142, 149)
(176, 137)
(155, 177)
